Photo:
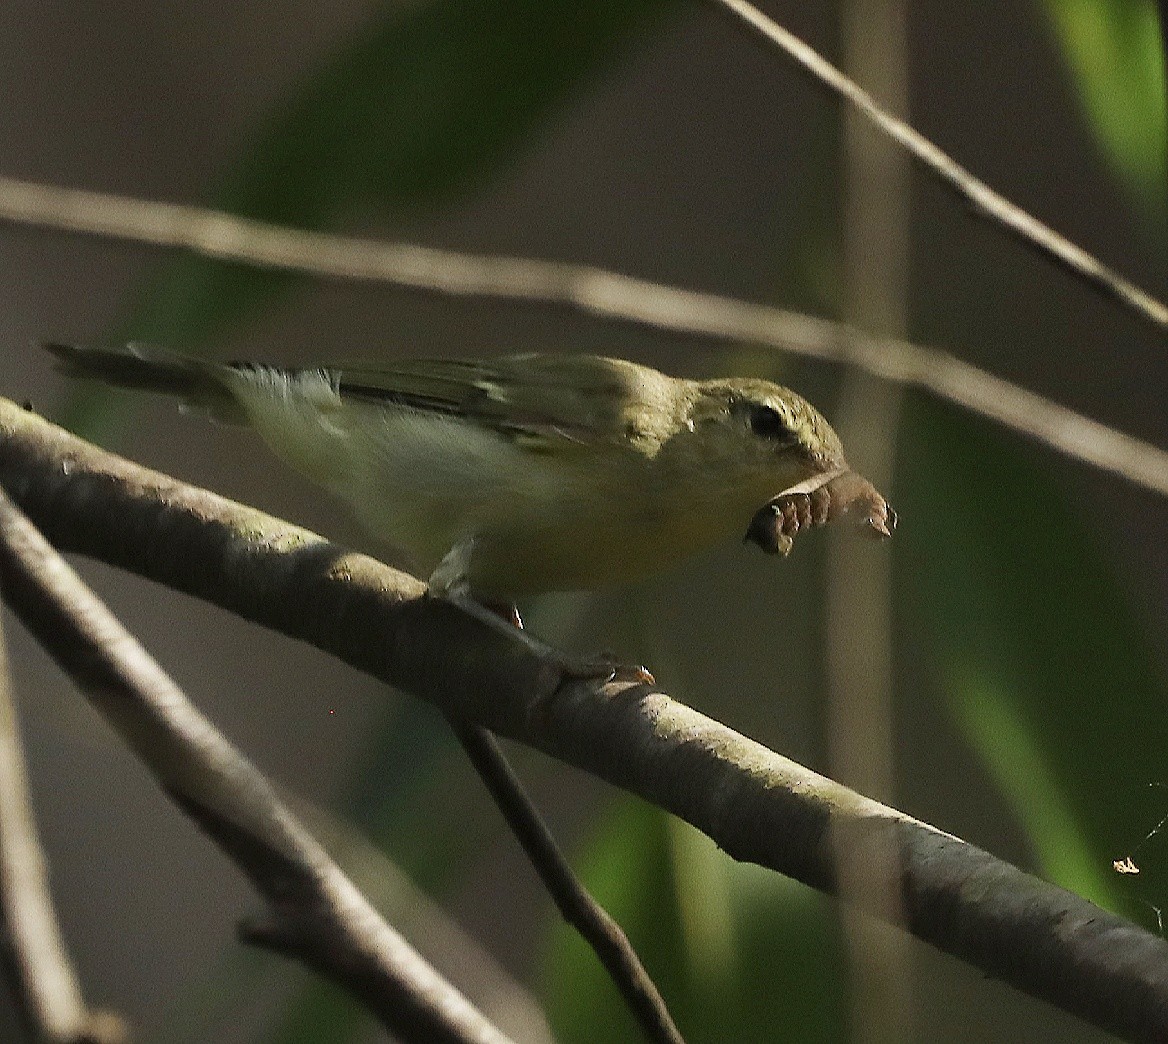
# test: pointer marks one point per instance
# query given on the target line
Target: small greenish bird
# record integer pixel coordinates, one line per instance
(531, 473)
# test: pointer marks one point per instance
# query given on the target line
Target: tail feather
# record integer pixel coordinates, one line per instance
(198, 382)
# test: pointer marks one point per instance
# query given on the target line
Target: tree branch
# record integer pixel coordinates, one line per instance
(577, 906)
(315, 913)
(757, 805)
(592, 291)
(33, 953)
(983, 201)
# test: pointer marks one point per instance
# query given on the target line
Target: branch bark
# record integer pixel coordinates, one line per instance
(316, 914)
(757, 805)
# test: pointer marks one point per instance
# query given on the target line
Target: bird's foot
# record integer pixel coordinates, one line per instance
(450, 581)
(604, 666)
(607, 669)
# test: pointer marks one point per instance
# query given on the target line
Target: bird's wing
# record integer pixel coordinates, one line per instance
(553, 401)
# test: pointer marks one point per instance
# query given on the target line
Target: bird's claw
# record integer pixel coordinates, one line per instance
(605, 669)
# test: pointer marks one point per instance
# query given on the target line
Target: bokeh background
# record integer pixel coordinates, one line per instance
(1028, 593)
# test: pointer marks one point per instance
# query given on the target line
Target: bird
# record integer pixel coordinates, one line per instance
(514, 476)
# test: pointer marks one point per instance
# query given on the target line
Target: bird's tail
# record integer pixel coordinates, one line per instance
(200, 383)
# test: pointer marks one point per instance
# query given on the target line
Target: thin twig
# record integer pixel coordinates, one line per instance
(592, 291)
(43, 981)
(757, 805)
(575, 903)
(982, 200)
(315, 913)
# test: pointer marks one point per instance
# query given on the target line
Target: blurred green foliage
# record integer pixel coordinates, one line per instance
(739, 953)
(1046, 664)
(1043, 663)
(1114, 51)
(427, 101)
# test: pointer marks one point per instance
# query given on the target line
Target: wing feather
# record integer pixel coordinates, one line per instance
(546, 401)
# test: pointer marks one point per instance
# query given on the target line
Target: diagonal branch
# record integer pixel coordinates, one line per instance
(982, 200)
(592, 291)
(757, 805)
(315, 913)
(577, 906)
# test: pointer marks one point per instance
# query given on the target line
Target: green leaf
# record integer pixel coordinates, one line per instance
(1114, 51)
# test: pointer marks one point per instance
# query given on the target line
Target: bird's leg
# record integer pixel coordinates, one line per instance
(450, 581)
(601, 666)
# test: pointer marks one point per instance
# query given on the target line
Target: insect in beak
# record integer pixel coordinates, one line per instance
(818, 501)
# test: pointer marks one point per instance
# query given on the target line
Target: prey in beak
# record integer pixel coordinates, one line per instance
(833, 495)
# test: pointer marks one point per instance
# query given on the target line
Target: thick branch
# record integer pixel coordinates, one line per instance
(316, 914)
(754, 803)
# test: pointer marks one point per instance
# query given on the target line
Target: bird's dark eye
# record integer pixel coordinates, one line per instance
(767, 423)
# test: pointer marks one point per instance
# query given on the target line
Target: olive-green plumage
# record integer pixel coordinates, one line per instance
(515, 475)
